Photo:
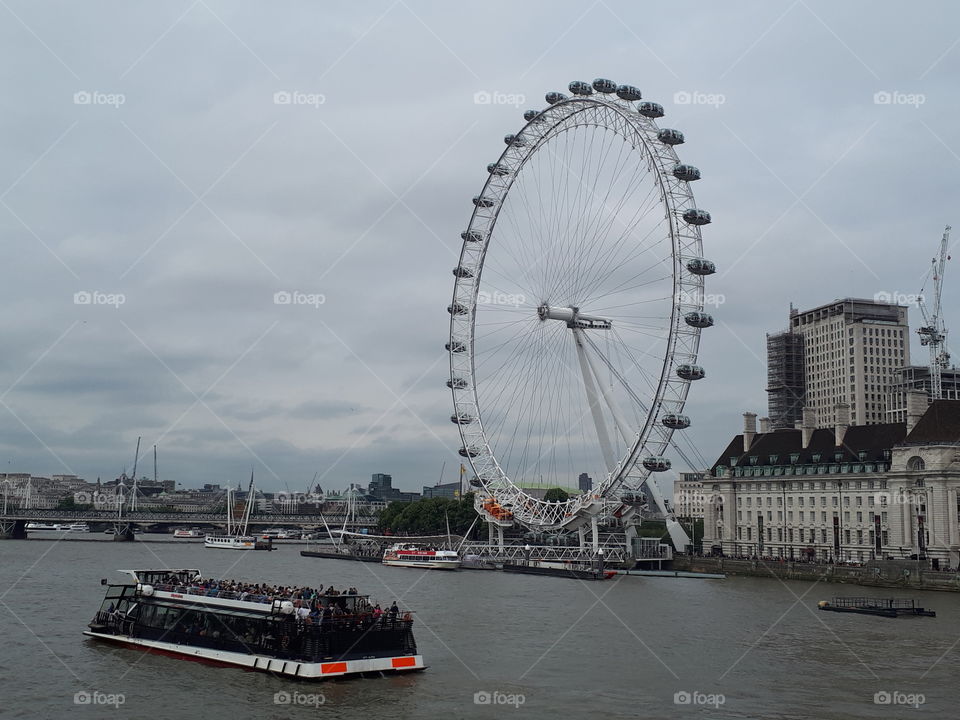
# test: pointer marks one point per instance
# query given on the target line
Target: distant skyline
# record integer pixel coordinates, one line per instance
(231, 231)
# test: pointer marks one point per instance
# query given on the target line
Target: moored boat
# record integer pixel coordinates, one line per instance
(236, 537)
(45, 526)
(188, 534)
(883, 607)
(416, 556)
(173, 612)
(230, 542)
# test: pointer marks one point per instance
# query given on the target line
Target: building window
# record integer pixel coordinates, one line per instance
(916, 463)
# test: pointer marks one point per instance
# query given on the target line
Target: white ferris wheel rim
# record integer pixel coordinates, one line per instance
(619, 115)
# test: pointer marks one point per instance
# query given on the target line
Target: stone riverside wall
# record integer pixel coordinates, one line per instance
(906, 574)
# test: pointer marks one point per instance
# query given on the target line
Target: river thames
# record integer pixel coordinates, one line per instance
(497, 645)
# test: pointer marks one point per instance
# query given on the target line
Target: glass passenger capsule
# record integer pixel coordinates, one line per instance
(675, 421)
(695, 216)
(578, 87)
(655, 463)
(628, 92)
(605, 86)
(687, 173)
(701, 266)
(670, 136)
(691, 372)
(698, 319)
(650, 109)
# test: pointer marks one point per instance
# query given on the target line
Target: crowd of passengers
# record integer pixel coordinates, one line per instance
(310, 604)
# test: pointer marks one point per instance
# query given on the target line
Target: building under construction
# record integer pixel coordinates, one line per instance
(917, 377)
(786, 379)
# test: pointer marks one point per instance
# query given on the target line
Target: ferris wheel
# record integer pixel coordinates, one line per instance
(577, 310)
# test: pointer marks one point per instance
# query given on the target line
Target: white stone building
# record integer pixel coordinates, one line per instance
(688, 497)
(850, 493)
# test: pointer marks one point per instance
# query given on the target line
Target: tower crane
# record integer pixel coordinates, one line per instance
(933, 333)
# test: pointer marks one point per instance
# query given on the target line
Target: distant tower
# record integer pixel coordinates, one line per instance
(585, 482)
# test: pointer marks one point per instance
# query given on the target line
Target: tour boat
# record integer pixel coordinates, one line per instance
(230, 542)
(168, 612)
(78, 527)
(416, 556)
(183, 533)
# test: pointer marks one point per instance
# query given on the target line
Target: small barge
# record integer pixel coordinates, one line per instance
(883, 607)
(277, 630)
(567, 570)
(334, 555)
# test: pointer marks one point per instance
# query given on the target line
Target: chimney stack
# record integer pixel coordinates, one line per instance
(842, 413)
(764, 425)
(749, 429)
(916, 407)
(807, 425)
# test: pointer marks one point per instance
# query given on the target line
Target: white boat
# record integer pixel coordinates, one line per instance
(183, 533)
(230, 542)
(417, 556)
(161, 610)
(45, 526)
(279, 534)
(78, 528)
(236, 537)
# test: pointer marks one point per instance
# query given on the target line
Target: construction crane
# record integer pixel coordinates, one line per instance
(933, 334)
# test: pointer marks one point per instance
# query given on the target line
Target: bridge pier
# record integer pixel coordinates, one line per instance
(13, 529)
(123, 532)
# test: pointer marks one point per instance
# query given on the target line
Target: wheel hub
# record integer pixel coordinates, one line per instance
(573, 317)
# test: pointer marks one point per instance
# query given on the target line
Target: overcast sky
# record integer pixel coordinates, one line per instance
(147, 157)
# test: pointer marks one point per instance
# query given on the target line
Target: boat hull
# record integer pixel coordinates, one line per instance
(289, 668)
(425, 564)
(230, 543)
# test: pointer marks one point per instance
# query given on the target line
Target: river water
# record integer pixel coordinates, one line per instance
(498, 645)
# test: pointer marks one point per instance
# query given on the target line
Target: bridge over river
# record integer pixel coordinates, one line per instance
(14, 521)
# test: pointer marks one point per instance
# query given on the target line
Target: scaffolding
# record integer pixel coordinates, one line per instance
(786, 379)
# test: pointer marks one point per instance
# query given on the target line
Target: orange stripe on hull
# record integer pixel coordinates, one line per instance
(337, 667)
(404, 662)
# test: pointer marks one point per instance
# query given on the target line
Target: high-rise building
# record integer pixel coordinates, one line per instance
(786, 379)
(585, 483)
(381, 485)
(852, 352)
(917, 377)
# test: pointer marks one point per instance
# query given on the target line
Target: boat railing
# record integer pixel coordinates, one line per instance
(248, 597)
(872, 602)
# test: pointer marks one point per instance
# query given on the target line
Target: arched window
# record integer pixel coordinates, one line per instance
(916, 463)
